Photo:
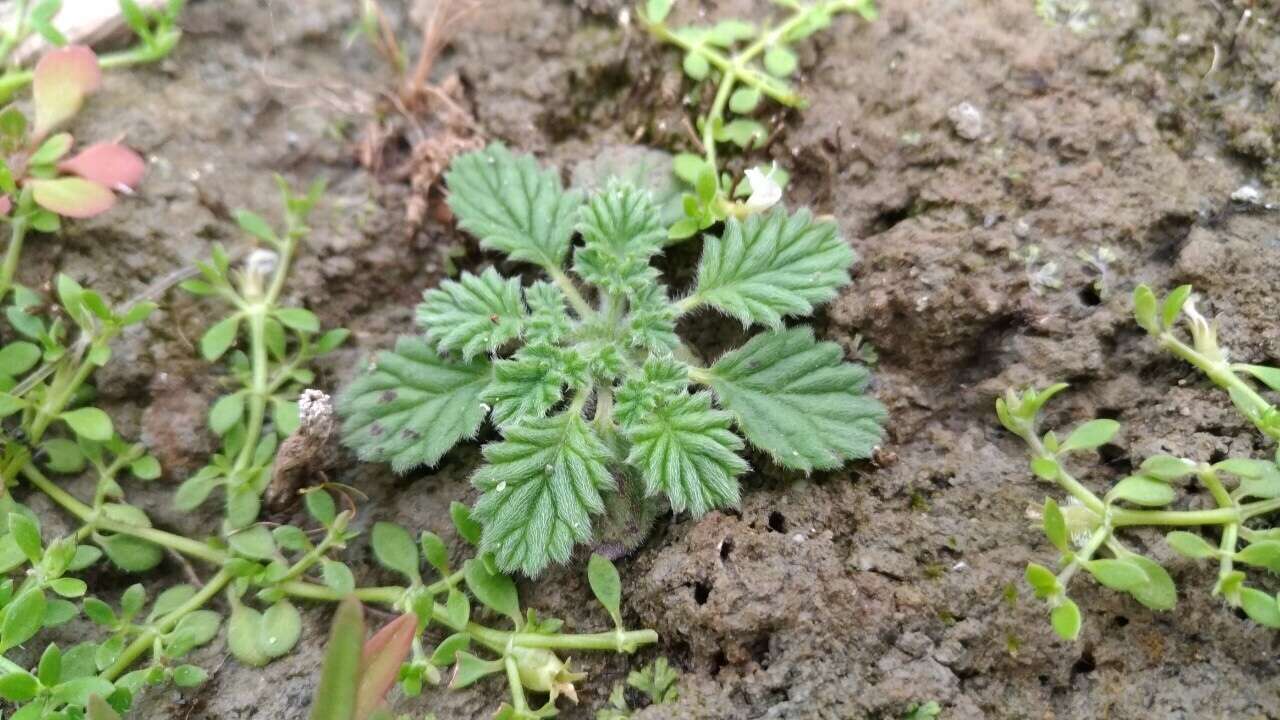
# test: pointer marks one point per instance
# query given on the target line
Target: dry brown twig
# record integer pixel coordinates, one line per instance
(429, 117)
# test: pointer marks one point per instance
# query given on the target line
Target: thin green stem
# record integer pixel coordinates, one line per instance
(1078, 559)
(17, 233)
(616, 641)
(143, 642)
(1221, 374)
(717, 111)
(258, 390)
(10, 40)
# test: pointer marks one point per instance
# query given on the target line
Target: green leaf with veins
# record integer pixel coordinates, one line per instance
(475, 314)
(529, 384)
(686, 450)
(641, 391)
(651, 322)
(772, 266)
(794, 398)
(413, 406)
(548, 317)
(513, 205)
(621, 233)
(541, 485)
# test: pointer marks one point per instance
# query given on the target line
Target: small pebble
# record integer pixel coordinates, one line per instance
(967, 120)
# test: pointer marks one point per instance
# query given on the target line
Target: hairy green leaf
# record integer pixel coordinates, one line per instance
(772, 266)
(513, 205)
(685, 449)
(642, 390)
(531, 383)
(475, 314)
(621, 233)
(541, 485)
(413, 406)
(794, 398)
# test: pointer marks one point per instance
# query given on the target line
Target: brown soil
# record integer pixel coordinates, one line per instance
(849, 594)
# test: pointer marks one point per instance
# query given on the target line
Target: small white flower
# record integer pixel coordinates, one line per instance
(765, 191)
(261, 262)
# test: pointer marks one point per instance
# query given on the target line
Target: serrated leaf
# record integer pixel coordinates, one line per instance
(771, 266)
(529, 384)
(413, 406)
(512, 205)
(621, 233)
(473, 315)
(794, 398)
(541, 485)
(643, 167)
(651, 322)
(685, 449)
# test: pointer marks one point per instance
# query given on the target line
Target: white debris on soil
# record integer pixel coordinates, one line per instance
(1247, 194)
(966, 120)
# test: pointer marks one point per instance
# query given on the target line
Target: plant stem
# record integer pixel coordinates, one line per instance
(144, 641)
(717, 111)
(1079, 559)
(571, 293)
(1221, 374)
(17, 233)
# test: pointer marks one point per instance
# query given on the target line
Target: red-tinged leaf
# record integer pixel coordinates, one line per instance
(109, 164)
(340, 675)
(380, 666)
(62, 79)
(72, 197)
(6, 204)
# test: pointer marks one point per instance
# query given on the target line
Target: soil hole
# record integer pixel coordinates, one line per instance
(1116, 457)
(759, 650)
(701, 592)
(1085, 665)
(1121, 621)
(726, 548)
(777, 522)
(1089, 295)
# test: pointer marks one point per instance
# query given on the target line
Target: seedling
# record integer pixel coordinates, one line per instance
(656, 681)
(157, 32)
(37, 183)
(1084, 529)
(749, 63)
(593, 398)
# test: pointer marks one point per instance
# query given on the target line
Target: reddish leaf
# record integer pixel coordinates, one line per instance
(5, 204)
(110, 164)
(340, 675)
(380, 665)
(62, 79)
(72, 197)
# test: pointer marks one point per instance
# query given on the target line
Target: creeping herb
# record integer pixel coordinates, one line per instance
(1084, 529)
(597, 398)
(750, 64)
